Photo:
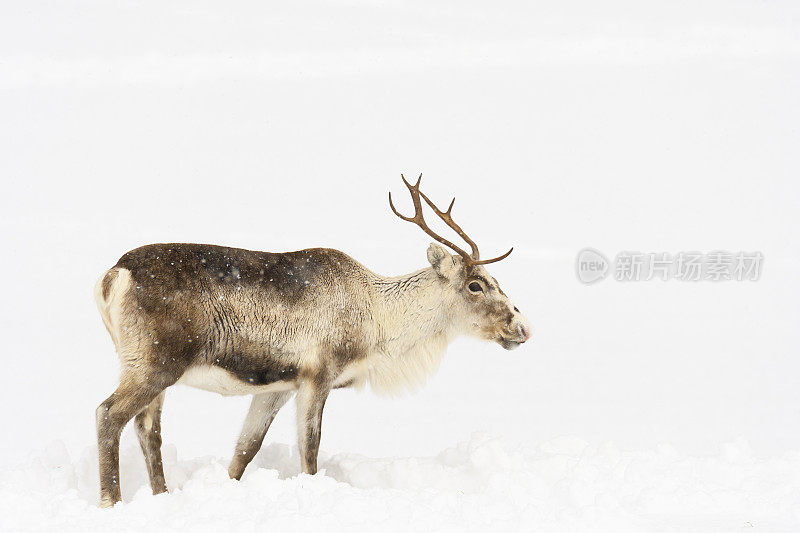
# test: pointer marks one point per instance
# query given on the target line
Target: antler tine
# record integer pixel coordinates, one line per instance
(452, 223)
(494, 260)
(419, 219)
(407, 219)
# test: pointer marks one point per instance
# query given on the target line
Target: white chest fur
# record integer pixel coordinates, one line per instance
(390, 373)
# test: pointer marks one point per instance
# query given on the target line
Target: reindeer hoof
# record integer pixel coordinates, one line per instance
(107, 503)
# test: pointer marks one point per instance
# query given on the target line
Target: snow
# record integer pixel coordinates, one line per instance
(484, 484)
(621, 126)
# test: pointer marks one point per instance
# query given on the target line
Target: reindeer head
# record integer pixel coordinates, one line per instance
(483, 308)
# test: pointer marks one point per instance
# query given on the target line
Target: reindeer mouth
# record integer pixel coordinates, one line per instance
(508, 344)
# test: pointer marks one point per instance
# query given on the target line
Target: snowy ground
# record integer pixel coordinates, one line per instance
(621, 125)
(480, 485)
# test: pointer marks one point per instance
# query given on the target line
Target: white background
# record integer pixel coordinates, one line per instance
(620, 126)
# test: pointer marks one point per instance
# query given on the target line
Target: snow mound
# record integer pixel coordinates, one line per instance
(481, 485)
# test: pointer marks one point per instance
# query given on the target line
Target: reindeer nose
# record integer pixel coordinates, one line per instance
(524, 333)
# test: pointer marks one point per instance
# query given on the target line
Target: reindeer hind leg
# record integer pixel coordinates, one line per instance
(148, 430)
(137, 389)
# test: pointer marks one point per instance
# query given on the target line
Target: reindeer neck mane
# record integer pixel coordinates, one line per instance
(414, 324)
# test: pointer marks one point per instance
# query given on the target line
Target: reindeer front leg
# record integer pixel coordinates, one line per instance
(262, 412)
(311, 396)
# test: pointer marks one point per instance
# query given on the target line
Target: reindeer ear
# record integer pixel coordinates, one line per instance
(441, 261)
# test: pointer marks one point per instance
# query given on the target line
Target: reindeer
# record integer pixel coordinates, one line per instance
(273, 325)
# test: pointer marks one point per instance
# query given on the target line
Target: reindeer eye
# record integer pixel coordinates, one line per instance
(475, 287)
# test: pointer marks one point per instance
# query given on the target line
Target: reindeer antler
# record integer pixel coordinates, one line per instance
(419, 220)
